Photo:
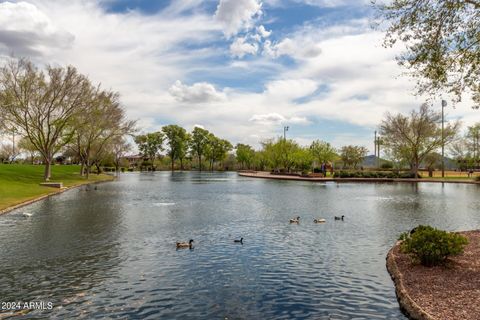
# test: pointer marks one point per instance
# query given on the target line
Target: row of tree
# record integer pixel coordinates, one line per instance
(287, 155)
(199, 144)
(408, 142)
(59, 109)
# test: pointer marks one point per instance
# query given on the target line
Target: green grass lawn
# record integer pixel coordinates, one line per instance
(21, 182)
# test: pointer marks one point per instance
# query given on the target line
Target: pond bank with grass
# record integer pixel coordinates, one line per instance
(20, 184)
(442, 292)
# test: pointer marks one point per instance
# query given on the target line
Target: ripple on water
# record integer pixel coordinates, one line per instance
(111, 253)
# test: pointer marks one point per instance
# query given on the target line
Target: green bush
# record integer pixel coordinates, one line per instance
(431, 246)
(387, 165)
(373, 174)
(477, 178)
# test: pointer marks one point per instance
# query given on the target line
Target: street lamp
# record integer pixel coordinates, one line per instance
(285, 129)
(444, 104)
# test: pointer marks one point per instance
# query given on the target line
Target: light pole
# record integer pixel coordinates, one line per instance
(285, 129)
(444, 104)
(379, 143)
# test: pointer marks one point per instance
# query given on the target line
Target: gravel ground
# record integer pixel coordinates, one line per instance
(446, 292)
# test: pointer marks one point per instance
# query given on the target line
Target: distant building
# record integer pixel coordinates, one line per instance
(134, 160)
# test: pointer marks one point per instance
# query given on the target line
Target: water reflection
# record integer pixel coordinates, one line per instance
(111, 252)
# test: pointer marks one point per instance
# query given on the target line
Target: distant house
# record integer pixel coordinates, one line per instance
(134, 160)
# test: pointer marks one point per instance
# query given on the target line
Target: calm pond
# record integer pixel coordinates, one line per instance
(111, 252)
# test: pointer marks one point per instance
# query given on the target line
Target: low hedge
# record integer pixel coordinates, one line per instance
(431, 246)
(374, 174)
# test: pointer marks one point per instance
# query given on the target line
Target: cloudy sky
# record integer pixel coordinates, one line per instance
(242, 69)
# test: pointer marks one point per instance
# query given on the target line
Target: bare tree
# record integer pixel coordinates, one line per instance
(27, 146)
(415, 136)
(352, 155)
(103, 121)
(42, 104)
(119, 148)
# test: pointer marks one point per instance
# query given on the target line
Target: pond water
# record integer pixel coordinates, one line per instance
(111, 252)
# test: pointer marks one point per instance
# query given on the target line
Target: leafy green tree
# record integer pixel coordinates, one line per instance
(216, 149)
(472, 138)
(221, 153)
(272, 153)
(323, 152)
(260, 160)
(177, 138)
(352, 155)
(150, 144)
(303, 159)
(197, 143)
(415, 136)
(442, 40)
(245, 155)
(280, 153)
(288, 148)
(183, 150)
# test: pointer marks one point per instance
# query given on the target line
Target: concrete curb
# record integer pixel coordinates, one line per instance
(407, 304)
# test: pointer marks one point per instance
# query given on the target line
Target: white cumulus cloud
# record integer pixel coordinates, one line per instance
(197, 93)
(26, 30)
(240, 47)
(263, 32)
(296, 48)
(237, 15)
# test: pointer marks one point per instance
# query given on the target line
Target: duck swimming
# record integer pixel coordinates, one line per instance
(238, 241)
(182, 245)
(319, 220)
(295, 220)
(339, 218)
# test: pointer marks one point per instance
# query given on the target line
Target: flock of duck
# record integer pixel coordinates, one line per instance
(189, 244)
(316, 220)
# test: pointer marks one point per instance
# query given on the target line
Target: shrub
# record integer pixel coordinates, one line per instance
(373, 174)
(387, 165)
(408, 175)
(431, 246)
(477, 178)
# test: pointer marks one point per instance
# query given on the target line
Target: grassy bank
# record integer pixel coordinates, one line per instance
(19, 183)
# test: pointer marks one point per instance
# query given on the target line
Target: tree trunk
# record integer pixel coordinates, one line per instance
(47, 173)
(97, 164)
(173, 163)
(200, 163)
(82, 168)
(415, 169)
(87, 165)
